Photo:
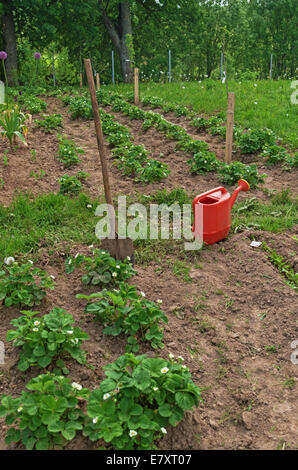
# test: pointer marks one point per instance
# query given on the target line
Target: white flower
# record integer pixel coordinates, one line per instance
(36, 323)
(159, 301)
(163, 430)
(94, 421)
(89, 206)
(35, 329)
(128, 258)
(184, 367)
(30, 261)
(143, 294)
(20, 409)
(9, 260)
(69, 332)
(75, 341)
(181, 358)
(164, 370)
(171, 356)
(114, 274)
(155, 389)
(255, 84)
(256, 102)
(118, 267)
(91, 246)
(53, 277)
(103, 252)
(77, 386)
(106, 396)
(77, 255)
(132, 433)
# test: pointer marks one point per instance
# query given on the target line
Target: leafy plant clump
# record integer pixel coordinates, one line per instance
(47, 415)
(138, 400)
(45, 339)
(49, 122)
(32, 103)
(23, 285)
(256, 140)
(101, 269)
(231, 173)
(125, 311)
(68, 153)
(72, 184)
(274, 154)
(203, 162)
(153, 170)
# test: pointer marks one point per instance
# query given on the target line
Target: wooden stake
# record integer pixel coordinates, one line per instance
(97, 81)
(81, 80)
(230, 126)
(136, 75)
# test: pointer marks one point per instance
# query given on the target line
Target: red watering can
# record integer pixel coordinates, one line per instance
(215, 207)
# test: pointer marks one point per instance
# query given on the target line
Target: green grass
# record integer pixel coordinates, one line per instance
(46, 220)
(273, 109)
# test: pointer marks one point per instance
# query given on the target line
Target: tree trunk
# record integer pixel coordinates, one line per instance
(10, 43)
(120, 34)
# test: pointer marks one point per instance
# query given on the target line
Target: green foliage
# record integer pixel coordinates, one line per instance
(80, 107)
(231, 173)
(274, 154)
(125, 311)
(45, 339)
(72, 184)
(49, 122)
(154, 170)
(140, 397)
(101, 269)
(23, 285)
(13, 126)
(68, 152)
(47, 415)
(31, 103)
(291, 278)
(256, 140)
(291, 162)
(203, 162)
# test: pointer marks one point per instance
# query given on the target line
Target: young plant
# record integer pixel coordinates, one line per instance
(68, 153)
(203, 162)
(101, 269)
(275, 154)
(23, 285)
(138, 400)
(46, 339)
(231, 173)
(47, 415)
(50, 122)
(154, 170)
(256, 140)
(125, 311)
(12, 122)
(72, 184)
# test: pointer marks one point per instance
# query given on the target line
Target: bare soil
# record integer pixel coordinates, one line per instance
(221, 322)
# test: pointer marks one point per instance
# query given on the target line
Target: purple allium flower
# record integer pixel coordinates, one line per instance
(37, 55)
(3, 55)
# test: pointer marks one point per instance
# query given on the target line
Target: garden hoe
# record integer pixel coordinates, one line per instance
(118, 247)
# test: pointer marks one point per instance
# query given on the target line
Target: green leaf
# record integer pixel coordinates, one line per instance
(185, 400)
(44, 361)
(165, 410)
(42, 444)
(69, 434)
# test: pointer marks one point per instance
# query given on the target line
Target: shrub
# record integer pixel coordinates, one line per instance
(154, 170)
(203, 162)
(140, 397)
(256, 140)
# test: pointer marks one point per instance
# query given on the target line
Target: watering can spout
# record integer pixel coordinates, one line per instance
(242, 186)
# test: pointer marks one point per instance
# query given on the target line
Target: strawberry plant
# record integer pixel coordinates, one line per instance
(231, 173)
(49, 122)
(101, 269)
(154, 170)
(23, 285)
(72, 184)
(290, 162)
(274, 154)
(202, 162)
(45, 339)
(138, 400)
(125, 311)
(256, 140)
(46, 415)
(68, 152)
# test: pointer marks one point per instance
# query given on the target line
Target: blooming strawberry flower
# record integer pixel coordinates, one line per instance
(132, 433)
(9, 260)
(163, 430)
(164, 370)
(76, 386)
(94, 421)
(36, 323)
(114, 274)
(106, 396)
(35, 329)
